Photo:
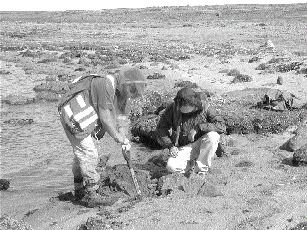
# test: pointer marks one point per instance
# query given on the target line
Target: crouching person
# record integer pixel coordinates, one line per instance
(190, 129)
(95, 105)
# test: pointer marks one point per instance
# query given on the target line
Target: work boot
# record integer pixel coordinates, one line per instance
(201, 169)
(93, 199)
(79, 191)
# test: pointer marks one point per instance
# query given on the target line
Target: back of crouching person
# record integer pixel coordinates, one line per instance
(195, 133)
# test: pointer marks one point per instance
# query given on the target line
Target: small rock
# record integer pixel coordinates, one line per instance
(4, 72)
(186, 84)
(280, 80)
(52, 86)
(47, 96)
(17, 100)
(156, 76)
(268, 45)
(80, 69)
(4, 184)
(233, 72)
(300, 156)
(253, 59)
(242, 78)
(16, 121)
(244, 163)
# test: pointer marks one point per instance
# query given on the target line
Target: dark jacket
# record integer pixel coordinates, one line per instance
(202, 121)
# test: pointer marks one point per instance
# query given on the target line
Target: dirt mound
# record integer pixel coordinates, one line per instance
(118, 181)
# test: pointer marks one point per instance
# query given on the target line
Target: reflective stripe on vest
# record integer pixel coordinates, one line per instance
(83, 113)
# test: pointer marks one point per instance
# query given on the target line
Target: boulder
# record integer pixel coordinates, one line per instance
(298, 141)
(4, 184)
(300, 156)
(280, 80)
(17, 100)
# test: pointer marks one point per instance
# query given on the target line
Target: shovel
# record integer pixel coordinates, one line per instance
(127, 156)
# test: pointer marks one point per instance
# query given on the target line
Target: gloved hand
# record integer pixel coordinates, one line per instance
(191, 136)
(126, 147)
(173, 152)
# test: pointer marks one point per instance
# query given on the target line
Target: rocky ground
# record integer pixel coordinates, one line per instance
(221, 51)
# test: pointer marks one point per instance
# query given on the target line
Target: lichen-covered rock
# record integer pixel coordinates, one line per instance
(17, 100)
(4, 184)
(7, 223)
(300, 156)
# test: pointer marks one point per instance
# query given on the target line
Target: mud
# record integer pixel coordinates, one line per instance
(117, 181)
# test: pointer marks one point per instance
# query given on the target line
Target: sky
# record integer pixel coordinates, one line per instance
(53, 5)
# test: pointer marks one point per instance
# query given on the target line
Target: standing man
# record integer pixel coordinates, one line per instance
(95, 105)
(194, 136)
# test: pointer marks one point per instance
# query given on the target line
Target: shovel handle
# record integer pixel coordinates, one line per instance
(127, 157)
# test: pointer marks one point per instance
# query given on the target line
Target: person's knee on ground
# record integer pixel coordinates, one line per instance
(208, 147)
(175, 165)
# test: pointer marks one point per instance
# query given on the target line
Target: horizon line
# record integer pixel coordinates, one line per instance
(167, 6)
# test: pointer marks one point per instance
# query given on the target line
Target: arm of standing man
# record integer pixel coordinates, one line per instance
(103, 99)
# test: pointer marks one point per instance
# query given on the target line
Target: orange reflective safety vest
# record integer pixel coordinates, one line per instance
(76, 109)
